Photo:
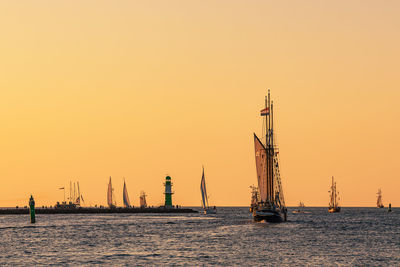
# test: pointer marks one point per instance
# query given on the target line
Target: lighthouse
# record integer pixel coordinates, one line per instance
(168, 192)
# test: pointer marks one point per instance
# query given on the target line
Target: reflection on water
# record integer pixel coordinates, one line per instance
(355, 236)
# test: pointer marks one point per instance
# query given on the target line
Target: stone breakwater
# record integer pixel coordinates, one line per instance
(84, 210)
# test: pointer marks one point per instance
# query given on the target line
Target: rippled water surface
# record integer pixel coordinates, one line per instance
(355, 236)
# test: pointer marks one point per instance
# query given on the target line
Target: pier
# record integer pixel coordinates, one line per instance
(91, 210)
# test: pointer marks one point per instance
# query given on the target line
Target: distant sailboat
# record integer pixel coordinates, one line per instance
(127, 204)
(300, 206)
(75, 197)
(379, 202)
(143, 203)
(204, 197)
(271, 205)
(333, 204)
(110, 195)
(79, 197)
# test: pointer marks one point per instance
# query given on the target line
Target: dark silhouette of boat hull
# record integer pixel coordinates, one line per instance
(269, 215)
(333, 210)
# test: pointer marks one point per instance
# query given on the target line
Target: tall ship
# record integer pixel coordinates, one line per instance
(333, 203)
(110, 195)
(204, 197)
(75, 197)
(125, 197)
(270, 206)
(143, 202)
(379, 202)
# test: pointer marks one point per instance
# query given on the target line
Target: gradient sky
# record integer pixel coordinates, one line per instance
(141, 89)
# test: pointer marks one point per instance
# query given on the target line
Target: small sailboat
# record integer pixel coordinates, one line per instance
(271, 205)
(379, 202)
(79, 197)
(127, 203)
(204, 197)
(110, 195)
(300, 206)
(143, 203)
(333, 203)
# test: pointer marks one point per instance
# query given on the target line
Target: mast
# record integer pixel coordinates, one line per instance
(335, 200)
(333, 192)
(79, 195)
(266, 147)
(70, 191)
(272, 153)
(267, 120)
(74, 197)
(331, 195)
(269, 151)
(269, 148)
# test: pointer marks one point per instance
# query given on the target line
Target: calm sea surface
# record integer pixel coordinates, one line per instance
(355, 236)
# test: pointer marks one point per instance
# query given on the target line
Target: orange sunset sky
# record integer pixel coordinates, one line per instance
(141, 89)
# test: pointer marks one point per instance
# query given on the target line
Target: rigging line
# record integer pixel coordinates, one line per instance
(263, 134)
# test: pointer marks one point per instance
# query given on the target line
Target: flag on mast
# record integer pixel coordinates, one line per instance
(264, 112)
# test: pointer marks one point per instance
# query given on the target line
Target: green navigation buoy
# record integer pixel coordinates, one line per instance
(168, 192)
(32, 209)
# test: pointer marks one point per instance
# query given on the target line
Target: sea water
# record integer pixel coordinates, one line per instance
(353, 237)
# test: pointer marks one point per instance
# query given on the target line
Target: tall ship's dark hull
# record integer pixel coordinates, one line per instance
(334, 209)
(269, 215)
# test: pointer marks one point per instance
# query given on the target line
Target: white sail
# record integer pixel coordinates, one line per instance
(127, 204)
(110, 194)
(379, 202)
(203, 191)
(261, 168)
